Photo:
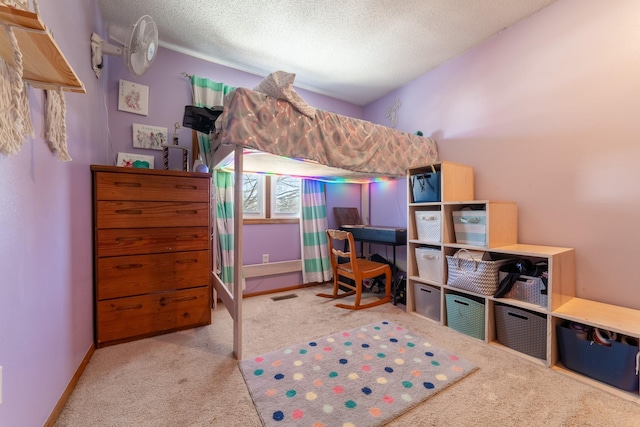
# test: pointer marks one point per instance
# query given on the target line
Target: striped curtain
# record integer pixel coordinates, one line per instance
(316, 265)
(223, 187)
(207, 93)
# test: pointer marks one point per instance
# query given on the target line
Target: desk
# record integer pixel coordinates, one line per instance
(381, 235)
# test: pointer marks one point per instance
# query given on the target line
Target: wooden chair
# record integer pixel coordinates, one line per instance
(356, 269)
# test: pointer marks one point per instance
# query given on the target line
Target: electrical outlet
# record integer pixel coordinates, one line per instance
(265, 258)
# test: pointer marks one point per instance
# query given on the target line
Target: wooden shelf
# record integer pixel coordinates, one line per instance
(600, 315)
(45, 66)
(501, 242)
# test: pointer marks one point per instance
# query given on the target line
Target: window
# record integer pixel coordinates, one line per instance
(270, 197)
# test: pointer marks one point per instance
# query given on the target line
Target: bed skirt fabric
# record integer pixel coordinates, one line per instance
(255, 120)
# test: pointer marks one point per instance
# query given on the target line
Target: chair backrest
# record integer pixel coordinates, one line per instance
(350, 253)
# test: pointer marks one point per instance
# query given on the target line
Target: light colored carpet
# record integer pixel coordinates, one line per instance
(190, 378)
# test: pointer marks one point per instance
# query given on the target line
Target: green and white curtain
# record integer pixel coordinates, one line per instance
(223, 188)
(316, 265)
(207, 93)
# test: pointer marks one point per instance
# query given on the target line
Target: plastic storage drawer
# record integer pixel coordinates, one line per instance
(466, 315)
(522, 330)
(427, 300)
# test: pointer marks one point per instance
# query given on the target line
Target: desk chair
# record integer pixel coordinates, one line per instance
(356, 269)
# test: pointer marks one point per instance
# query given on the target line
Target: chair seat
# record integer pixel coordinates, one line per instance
(363, 265)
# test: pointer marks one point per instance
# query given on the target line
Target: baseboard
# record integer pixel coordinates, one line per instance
(271, 268)
(275, 291)
(72, 385)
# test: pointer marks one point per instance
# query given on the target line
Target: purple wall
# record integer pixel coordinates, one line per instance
(169, 92)
(46, 268)
(547, 114)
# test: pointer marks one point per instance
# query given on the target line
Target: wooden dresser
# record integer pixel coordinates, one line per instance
(152, 252)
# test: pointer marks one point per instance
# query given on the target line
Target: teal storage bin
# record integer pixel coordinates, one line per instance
(466, 314)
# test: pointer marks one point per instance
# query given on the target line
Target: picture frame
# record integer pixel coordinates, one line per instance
(133, 98)
(130, 160)
(149, 137)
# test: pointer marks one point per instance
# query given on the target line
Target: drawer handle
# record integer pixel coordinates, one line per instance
(185, 299)
(129, 307)
(186, 261)
(127, 184)
(128, 239)
(186, 187)
(187, 237)
(187, 212)
(128, 266)
(129, 211)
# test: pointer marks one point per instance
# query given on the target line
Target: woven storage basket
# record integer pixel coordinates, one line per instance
(475, 276)
(522, 330)
(430, 264)
(428, 226)
(527, 289)
(427, 300)
(465, 315)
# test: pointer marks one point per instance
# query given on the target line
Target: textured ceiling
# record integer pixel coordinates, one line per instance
(354, 50)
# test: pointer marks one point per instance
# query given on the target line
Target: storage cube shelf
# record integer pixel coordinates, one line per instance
(527, 322)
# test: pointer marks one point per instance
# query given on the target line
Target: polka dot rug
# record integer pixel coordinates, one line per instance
(365, 376)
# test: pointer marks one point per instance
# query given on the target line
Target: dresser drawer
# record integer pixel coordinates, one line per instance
(151, 214)
(124, 186)
(135, 241)
(140, 274)
(139, 316)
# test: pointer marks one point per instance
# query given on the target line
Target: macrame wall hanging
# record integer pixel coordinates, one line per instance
(15, 115)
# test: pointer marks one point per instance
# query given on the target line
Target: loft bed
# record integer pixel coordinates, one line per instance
(260, 133)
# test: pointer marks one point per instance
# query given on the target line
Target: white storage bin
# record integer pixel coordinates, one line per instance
(428, 226)
(427, 300)
(470, 227)
(430, 264)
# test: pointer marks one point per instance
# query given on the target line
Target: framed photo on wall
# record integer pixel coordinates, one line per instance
(133, 98)
(149, 137)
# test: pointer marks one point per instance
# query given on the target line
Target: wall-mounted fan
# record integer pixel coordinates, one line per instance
(139, 45)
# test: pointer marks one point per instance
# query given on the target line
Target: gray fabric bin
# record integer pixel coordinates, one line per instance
(522, 330)
(427, 300)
